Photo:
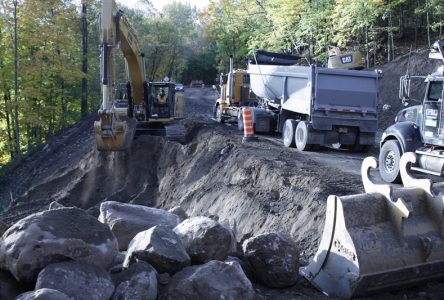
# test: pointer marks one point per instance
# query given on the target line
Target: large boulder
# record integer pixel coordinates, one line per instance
(43, 294)
(138, 282)
(213, 280)
(204, 239)
(273, 259)
(160, 247)
(53, 236)
(127, 220)
(77, 280)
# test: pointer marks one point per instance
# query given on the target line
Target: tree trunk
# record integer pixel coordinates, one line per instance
(84, 105)
(16, 106)
(7, 97)
(64, 107)
(367, 57)
(428, 22)
(28, 127)
(416, 25)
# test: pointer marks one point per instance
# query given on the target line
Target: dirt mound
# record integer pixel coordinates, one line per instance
(419, 64)
(259, 187)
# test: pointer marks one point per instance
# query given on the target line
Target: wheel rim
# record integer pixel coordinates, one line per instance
(218, 114)
(300, 135)
(287, 133)
(390, 161)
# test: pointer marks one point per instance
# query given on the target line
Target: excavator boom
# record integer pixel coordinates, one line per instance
(113, 131)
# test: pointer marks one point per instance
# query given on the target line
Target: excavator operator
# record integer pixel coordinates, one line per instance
(162, 98)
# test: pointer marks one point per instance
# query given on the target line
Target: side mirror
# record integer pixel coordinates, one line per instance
(386, 108)
(404, 89)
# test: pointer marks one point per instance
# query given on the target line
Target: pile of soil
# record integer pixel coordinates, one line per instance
(258, 187)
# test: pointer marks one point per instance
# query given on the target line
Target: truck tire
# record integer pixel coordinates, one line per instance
(288, 133)
(389, 158)
(218, 114)
(240, 120)
(301, 137)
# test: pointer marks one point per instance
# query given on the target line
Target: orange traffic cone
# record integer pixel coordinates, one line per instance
(247, 115)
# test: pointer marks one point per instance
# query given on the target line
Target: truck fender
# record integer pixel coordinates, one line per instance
(407, 133)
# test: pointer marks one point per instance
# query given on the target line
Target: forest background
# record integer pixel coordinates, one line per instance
(49, 49)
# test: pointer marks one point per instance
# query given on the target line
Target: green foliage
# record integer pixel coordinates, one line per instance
(307, 27)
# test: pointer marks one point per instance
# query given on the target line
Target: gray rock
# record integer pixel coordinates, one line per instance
(127, 220)
(178, 210)
(160, 247)
(55, 205)
(78, 280)
(273, 258)
(213, 280)
(43, 294)
(53, 236)
(9, 287)
(139, 281)
(204, 239)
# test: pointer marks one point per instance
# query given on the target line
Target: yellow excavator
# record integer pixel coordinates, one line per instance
(338, 59)
(151, 107)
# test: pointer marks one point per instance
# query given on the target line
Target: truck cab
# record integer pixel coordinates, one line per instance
(234, 93)
(418, 128)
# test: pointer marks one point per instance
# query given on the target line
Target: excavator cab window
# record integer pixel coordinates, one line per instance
(160, 101)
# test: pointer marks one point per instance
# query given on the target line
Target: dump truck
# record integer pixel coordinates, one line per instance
(418, 128)
(313, 106)
(387, 238)
(151, 107)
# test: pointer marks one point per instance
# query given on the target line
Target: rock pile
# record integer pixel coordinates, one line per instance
(136, 252)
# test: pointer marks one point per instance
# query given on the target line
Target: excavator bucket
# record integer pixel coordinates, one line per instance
(113, 133)
(384, 239)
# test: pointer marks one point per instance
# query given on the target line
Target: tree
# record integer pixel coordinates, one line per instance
(84, 105)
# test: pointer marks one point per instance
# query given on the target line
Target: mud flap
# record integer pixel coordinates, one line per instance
(384, 239)
(114, 134)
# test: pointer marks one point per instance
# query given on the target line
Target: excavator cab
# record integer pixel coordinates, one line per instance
(161, 100)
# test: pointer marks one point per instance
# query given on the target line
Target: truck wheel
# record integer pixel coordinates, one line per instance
(240, 120)
(288, 133)
(218, 114)
(389, 161)
(301, 137)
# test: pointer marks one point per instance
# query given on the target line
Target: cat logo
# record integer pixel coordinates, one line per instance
(346, 59)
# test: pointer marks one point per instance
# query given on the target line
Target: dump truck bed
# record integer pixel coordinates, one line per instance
(317, 91)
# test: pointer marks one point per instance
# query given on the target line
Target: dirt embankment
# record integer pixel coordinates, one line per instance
(258, 187)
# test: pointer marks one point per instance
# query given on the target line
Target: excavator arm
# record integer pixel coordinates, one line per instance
(114, 132)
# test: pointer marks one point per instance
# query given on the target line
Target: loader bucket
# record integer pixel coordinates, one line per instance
(113, 134)
(384, 239)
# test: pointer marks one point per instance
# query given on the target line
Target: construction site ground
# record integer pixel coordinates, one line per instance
(254, 187)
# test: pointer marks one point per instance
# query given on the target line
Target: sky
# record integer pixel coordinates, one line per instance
(158, 4)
